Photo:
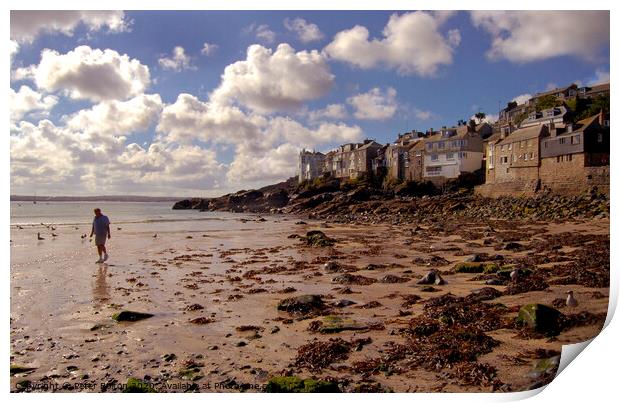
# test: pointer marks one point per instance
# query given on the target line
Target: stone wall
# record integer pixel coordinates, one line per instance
(567, 177)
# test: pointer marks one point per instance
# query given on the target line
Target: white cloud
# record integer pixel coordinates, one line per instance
(261, 32)
(374, 104)
(411, 44)
(305, 31)
(209, 48)
(26, 100)
(270, 81)
(522, 99)
(13, 49)
(331, 111)
(86, 73)
(423, 115)
(528, 36)
(178, 62)
(600, 76)
(118, 117)
(27, 25)
(489, 118)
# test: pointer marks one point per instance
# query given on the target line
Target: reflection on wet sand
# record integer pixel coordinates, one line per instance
(101, 288)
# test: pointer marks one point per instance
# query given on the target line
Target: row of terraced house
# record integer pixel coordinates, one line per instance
(544, 150)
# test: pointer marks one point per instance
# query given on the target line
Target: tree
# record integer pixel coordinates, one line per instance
(480, 116)
(546, 102)
(461, 122)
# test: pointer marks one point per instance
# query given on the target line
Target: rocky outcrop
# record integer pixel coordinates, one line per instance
(344, 202)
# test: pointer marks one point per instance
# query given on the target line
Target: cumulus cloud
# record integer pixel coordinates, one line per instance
(209, 48)
(269, 81)
(13, 49)
(411, 44)
(374, 104)
(600, 76)
(86, 73)
(27, 25)
(118, 117)
(331, 111)
(26, 101)
(522, 99)
(529, 36)
(305, 31)
(179, 61)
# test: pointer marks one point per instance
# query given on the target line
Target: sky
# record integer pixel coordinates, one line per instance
(202, 103)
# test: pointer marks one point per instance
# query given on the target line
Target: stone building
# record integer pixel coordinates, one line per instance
(397, 155)
(515, 161)
(352, 160)
(415, 170)
(576, 157)
(310, 165)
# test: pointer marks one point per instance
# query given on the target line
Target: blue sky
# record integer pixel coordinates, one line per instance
(413, 70)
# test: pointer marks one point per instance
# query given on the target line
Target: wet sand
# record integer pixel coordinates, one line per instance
(62, 302)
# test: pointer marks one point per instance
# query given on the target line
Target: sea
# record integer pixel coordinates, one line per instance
(81, 212)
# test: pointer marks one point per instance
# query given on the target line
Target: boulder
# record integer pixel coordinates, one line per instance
(301, 304)
(182, 205)
(318, 238)
(540, 318)
(130, 316)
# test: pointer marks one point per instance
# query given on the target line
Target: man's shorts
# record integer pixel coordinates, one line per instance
(100, 239)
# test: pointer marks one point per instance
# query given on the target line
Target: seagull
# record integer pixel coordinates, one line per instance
(118, 228)
(39, 237)
(53, 228)
(83, 236)
(54, 234)
(570, 300)
(155, 236)
(20, 227)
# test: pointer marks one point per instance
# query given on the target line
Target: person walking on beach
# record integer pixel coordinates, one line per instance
(101, 229)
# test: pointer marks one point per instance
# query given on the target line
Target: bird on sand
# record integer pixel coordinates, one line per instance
(39, 237)
(571, 300)
(83, 236)
(54, 235)
(53, 228)
(20, 227)
(155, 236)
(118, 228)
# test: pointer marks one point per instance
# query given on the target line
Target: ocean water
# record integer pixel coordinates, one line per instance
(76, 213)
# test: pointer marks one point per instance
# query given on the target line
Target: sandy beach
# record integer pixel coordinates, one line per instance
(214, 287)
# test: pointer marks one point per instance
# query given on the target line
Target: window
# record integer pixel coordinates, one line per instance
(562, 141)
(434, 157)
(521, 144)
(462, 155)
(545, 144)
(509, 146)
(530, 143)
(450, 156)
(532, 156)
(504, 160)
(429, 146)
(441, 144)
(525, 158)
(569, 157)
(558, 158)
(575, 139)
